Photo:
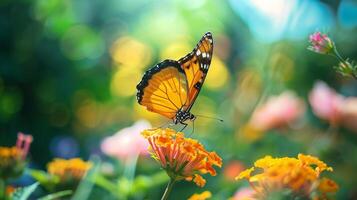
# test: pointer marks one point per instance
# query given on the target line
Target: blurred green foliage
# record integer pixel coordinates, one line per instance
(69, 69)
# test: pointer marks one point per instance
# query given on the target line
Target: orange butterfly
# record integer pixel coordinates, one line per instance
(171, 87)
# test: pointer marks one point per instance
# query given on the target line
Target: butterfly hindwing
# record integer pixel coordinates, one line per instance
(196, 65)
(163, 89)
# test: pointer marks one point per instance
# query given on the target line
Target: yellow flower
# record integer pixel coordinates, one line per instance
(13, 159)
(297, 174)
(203, 196)
(245, 174)
(310, 160)
(181, 157)
(72, 169)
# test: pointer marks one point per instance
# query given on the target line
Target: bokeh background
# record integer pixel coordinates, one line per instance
(68, 71)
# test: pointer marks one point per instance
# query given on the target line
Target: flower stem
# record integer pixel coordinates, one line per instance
(2, 189)
(168, 189)
(338, 55)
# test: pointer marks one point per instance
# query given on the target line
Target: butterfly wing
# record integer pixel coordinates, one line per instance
(196, 65)
(163, 89)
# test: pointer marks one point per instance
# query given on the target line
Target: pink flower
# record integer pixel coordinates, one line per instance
(245, 193)
(23, 143)
(325, 102)
(349, 113)
(127, 142)
(277, 111)
(321, 43)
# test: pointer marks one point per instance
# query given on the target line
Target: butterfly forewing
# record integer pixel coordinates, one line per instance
(196, 65)
(171, 87)
(163, 89)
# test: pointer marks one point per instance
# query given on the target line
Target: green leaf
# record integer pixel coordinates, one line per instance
(57, 195)
(46, 180)
(86, 185)
(25, 192)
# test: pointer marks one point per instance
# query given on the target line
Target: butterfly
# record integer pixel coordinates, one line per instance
(171, 87)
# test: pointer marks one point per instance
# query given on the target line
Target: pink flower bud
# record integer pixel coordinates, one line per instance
(23, 143)
(321, 43)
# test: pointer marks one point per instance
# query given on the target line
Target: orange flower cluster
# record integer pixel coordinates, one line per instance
(72, 169)
(301, 175)
(182, 158)
(9, 154)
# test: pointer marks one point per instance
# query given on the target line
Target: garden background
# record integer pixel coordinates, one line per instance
(68, 72)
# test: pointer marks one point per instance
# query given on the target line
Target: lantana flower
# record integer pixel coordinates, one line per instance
(182, 158)
(299, 175)
(68, 172)
(13, 159)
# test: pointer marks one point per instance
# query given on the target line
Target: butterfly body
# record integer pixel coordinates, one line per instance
(171, 87)
(182, 116)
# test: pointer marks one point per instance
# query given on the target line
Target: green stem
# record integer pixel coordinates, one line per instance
(168, 189)
(2, 189)
(338, 56)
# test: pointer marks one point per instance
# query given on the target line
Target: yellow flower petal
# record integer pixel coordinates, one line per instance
(245, 174)
(203, 196)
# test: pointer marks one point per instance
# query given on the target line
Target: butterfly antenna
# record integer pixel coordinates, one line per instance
(219, 119)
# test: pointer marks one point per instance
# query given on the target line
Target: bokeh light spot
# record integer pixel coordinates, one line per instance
(124, 81)
(347, 14)
(64, 147)
(282, 66)
(81, 42)
(140, 112)
(10, 102)
(59, 115)
(249, 89)
(175, 51)
(88, 113)
(218, 74)
(128, 51)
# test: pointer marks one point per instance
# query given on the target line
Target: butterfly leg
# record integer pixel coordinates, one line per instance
(193, 128)
(185, 125)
